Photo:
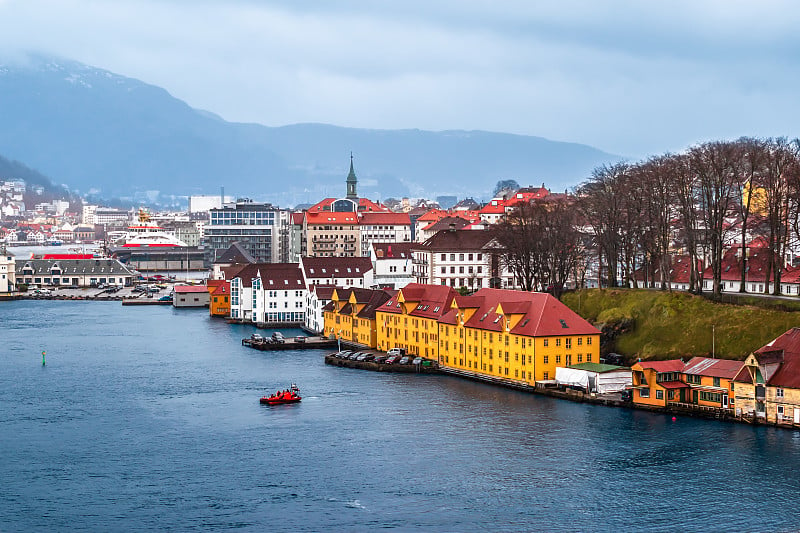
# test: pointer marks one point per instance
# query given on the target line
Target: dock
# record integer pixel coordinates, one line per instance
(290, 343)
(330, 359)
(145, 301)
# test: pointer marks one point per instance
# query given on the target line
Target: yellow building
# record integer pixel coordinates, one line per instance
(767, 389)
(514, 335)
(410, 319)
(350, 315)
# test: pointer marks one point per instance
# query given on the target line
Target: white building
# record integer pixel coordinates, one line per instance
(317, 297)
(203, 203)
(393, 264)
(461, 258)
(338, 271)
(269, 293)
(7, 273)
(377, 227)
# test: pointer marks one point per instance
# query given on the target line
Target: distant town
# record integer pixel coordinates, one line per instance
(473, 288)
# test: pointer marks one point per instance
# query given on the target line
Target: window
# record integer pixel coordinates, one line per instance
(588, 340)
(545, 342)
(779, 393)
(644, 393)
(659, 395)
(580, 341)
(558, 342)
(580, 358)
(780, 409)
(546, 375)
(568, 343)
(588, 358)
(714, 397)
(558, 359)
(692, 379)
(716, 382)
(546, 359)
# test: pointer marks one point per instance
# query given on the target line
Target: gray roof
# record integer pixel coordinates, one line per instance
(73, 266)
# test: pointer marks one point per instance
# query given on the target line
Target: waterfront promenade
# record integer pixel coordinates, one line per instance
(148, 418)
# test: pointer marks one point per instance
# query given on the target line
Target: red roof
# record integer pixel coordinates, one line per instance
(395, 219)
(788, 373)
(717, 368)
(673, 385)
(542, 314)
(393, 250)
(329, 217)
(672, 365)
(432, 301)
(183, 289)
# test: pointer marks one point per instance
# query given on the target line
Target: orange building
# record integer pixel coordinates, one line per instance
(219, 291)
(657, 382)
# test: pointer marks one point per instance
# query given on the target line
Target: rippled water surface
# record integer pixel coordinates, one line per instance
(148, 418)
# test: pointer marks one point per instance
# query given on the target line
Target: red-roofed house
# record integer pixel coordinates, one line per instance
(190, 296)
(657, 382)
(768, 386)
(392, 264)
(513, 335)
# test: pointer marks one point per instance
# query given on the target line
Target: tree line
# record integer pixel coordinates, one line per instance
(635, 217)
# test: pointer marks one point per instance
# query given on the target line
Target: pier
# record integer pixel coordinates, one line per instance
(290, 344)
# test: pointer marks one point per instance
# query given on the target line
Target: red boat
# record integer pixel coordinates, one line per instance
(282, 397)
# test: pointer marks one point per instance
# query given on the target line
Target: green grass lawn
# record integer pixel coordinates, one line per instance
(670, 325)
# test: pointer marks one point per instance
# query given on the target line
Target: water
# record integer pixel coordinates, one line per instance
(147, 418)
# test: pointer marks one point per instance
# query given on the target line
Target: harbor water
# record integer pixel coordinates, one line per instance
(147, 418)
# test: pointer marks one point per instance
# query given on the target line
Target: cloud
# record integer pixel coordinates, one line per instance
(628, 77)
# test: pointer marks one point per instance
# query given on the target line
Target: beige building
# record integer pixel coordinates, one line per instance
(767, 389)
(332, 234)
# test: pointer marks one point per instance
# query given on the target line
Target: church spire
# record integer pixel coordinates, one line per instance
(352, 182)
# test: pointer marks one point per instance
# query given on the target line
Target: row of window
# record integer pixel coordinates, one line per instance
(469, 257)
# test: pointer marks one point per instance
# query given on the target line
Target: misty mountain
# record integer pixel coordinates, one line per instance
(100, 132)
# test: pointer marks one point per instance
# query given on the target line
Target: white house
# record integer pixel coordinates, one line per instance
(338, 271)
(7, 273)
(316, 298)
(269, 293)
(392, 264)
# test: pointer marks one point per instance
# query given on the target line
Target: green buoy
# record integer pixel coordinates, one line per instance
(43, 361)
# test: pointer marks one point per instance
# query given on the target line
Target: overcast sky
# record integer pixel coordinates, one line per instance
(632, 78)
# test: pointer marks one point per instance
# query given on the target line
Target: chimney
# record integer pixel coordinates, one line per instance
(453, 227)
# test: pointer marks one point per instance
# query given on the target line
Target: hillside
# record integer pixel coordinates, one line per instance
(95, 130)
(669, 325)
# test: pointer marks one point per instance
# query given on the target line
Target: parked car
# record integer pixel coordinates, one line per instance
(344, 354)
(417, 361)
(361, 356)
(353, 356)
(369, 357)
(405, 360)
(256, 337)
(277, 338)
(396, 351)
(380, 359)
(392, 359)
(165, 298)
(300, 338)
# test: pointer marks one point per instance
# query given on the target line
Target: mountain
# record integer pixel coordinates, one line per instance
(100, 132)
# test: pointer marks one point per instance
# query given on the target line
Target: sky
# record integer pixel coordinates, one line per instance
(634, 78)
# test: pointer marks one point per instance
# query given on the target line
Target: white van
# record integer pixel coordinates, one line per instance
(396, 351)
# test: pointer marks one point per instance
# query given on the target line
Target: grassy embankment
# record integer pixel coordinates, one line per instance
(665, 325)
